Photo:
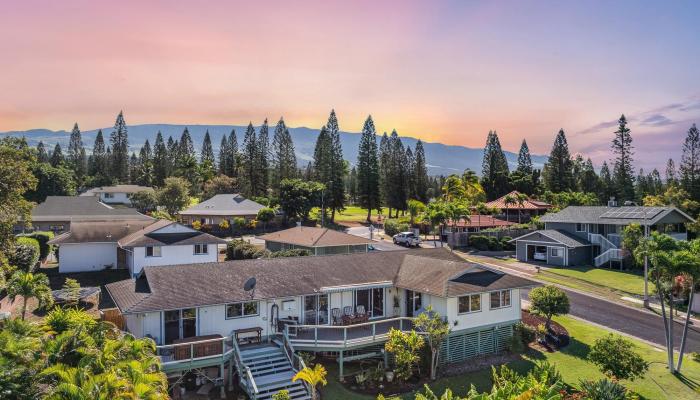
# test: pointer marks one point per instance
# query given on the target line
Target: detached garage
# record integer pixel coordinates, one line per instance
(553, 247)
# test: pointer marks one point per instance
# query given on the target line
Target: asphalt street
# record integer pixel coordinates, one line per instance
(639, 323)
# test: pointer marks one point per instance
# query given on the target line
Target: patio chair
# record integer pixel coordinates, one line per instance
(335, 315)
(348, 315)
(361, 314)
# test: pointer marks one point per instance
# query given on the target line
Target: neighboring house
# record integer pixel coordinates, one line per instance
(94, 246)
(319, 241)
(118, 194)
(591, 235)
(299, 299)
(476, 223)
(516, 211)
(57, 213)
(221, 207)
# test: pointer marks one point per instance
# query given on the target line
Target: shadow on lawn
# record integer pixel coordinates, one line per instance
(690, 383)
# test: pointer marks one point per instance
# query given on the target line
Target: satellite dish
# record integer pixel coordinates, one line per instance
(249, 286)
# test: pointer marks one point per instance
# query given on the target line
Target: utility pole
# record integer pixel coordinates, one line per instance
(646, 263)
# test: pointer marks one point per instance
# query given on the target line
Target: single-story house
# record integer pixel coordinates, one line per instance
(302, 299)
(57, 213)
(476, 223)
(118, 194)
(519, 212)
(221, 207)
(592, 235)
(132, 245)
(319, 241)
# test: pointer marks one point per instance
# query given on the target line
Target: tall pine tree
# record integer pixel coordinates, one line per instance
(207, 155)
(420, 172)
(233, 162)
(144, 171)
(120, 150)
(338, 168)
(249, 161)
(524, 159)
(623, 171)
(690, 163)
(494, 168)
(284, 160)
(160, 161)
(671, 175)
(558, 170)
(100, 160)
(57, 159)
(76, 154)
(42, 156)
(397, 190)
(384, 168)
(263, 144)
(223, 155)
(607, 186)
(368, 194)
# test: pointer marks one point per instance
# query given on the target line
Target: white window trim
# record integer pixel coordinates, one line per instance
(558, 250)
(194, 249)
(481, 307)
(584, 227)
(160, 251)
(500, 292)
(243, 315)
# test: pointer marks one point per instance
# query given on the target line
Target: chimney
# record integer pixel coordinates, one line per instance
(612, 202)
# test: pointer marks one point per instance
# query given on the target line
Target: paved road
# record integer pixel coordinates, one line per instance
(634, 322)
(381, 245)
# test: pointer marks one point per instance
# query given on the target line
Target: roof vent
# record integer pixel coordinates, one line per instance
(612, 202)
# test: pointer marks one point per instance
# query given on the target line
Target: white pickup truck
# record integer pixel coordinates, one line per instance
(408, 239)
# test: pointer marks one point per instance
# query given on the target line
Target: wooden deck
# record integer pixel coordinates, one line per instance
(333, 336)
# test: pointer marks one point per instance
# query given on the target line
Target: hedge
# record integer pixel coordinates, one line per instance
(394, 226)
(26, 253)
(241, 250)
(42, 237)
(482, 242)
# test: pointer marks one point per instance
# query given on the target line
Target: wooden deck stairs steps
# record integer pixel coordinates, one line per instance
(272, 372)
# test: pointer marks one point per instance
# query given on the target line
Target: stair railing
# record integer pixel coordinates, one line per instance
(291, 356)
(249, 383)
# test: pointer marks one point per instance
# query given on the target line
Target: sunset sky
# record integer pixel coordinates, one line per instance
(436, 70)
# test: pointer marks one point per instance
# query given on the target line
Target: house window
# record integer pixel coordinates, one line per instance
(500, 299)
(581, 227)
(152, 251)
(372, 300)
(556, 252)
(109, 195)
(201, 249)
(471, 303)
(240, 310)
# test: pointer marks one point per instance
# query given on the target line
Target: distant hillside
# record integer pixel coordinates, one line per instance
(442, 159)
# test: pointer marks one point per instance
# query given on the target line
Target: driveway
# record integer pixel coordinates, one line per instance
(380, 245)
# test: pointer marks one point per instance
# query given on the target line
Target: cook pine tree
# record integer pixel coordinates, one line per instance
(207, 154)
(284, 160)
(263, 158)
(368, 190)
(558, 170)
(420, 173)
(119, 160)
(623, 170)
(335, 185)
(249, 162)
(690, 164)
(494, 168)
(76, 154)
(160, 161)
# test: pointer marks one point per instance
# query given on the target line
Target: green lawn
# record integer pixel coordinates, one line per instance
(350, 214)
(571, 362)
(625, 281)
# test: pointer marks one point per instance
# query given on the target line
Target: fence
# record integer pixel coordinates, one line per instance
(114, 316)
(461, 239)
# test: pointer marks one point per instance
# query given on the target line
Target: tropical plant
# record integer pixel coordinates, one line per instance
(435, 330)
(404, 346)
(603, 389)
(548, 301)
(281, 395)
(28, 285)
(313, 377)
(71, 287)
(616, 358)
(415, 207)
(265, 215)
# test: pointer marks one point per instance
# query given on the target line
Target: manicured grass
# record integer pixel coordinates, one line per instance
(626, 281)
(351, 214)
(573, 366)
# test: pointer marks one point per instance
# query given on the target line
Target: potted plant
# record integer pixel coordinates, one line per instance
(389, 376)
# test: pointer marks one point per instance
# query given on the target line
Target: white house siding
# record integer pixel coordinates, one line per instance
(172, 255)
(85, 257)
(117, 198)
(212, 320)
(486, 316)
(439, 304)
(145, 324)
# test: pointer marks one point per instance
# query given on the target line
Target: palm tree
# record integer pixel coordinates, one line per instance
(437, 215)
(480, 209)
(453, 188)
(82, 384)
(509, 200)
(415, 207)
(520, 198)
(313, 377)
(689, 259)
(473, 190)
(28, 285)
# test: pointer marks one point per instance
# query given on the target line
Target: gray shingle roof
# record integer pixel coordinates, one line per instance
(193, 285)
(314, 237)
(117, 189)
(558, 235)
(594, 215)
(99, 232)
(225, 204)
(77, 208)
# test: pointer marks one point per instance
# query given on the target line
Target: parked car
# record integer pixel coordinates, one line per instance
(408, 239)
(540, 256)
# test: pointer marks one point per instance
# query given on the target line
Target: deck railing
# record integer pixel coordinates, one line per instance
(345, 335)
(245, 377)
(216, 350)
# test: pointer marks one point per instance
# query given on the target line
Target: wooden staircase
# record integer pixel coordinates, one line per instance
(270, 370)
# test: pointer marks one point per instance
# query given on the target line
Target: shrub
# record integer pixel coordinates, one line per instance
(290, 253)
(494, 244)
(72, 288)
(241, 250)
(695, 356)
(26, 253)
(405, 347)
(548, 301)
(603, 389)
(525, 332)
(62, 319)
(43, 238)
(281, 395)
(224, 225)
(506, 243)
(394, 226)
(515, 343)
(239, 223)
(616, 358)
(479, 242)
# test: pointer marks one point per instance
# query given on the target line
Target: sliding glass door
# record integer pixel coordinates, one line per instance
(179, 324)
(372, 300)
(316, 309)
(414, 302)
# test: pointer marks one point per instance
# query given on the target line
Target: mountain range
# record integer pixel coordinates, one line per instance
(442, 159)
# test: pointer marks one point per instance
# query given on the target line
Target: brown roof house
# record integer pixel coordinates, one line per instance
(57, 213)
(319, 241)
(132, 244)
(221, 207)
(336, 303)
(518, 211)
